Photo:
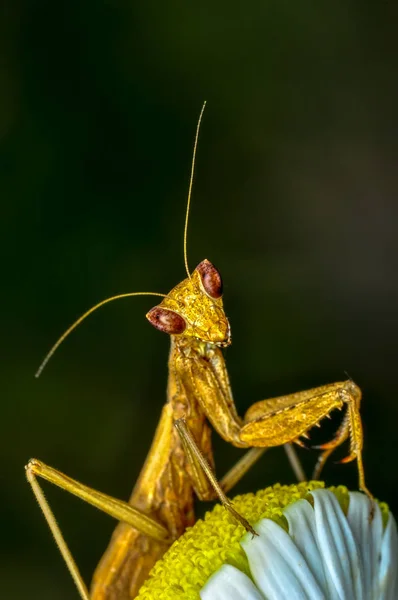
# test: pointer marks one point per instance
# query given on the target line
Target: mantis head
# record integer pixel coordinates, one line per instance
(194, 308)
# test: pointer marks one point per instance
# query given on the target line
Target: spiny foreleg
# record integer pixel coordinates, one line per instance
(287, 418)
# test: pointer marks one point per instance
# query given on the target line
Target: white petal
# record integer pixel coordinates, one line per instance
(337, 546)
(278, 567)
(368, 535)
(388, 578)
(228, 583)
(302, 530)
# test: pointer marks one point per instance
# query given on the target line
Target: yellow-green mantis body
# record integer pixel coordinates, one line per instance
(180, 461)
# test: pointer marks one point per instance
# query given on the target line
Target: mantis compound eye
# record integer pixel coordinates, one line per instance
(166, 320)
(211, 279)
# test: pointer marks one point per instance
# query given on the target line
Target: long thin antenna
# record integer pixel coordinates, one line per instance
(86, 314)
(190, 189)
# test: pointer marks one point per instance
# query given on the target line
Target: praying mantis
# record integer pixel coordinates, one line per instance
(180, 462)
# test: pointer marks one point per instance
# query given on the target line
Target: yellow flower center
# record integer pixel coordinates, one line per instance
(214, 541)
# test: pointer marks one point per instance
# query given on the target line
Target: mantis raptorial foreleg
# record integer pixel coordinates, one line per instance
(208, 381)
(286, 418)
(340, 436)
(275, 421)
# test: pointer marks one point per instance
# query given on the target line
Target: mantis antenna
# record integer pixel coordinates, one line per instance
(91, 310)
(86, 314)
(190, 189)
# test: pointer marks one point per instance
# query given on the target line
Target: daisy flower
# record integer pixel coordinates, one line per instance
(312, 544)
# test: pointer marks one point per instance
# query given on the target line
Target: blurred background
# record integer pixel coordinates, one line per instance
(294, 200)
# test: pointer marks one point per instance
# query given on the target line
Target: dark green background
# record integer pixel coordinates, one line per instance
(295, 200)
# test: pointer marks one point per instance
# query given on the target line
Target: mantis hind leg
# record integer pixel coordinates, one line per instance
(116, 508)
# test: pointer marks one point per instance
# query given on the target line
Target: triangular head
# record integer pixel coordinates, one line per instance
(194, 308)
